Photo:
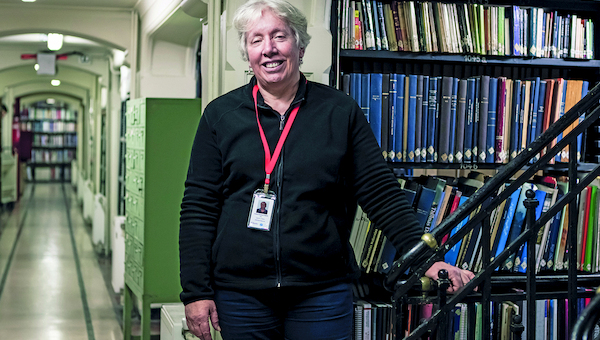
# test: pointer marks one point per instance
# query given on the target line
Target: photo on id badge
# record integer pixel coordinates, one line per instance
(261, 211)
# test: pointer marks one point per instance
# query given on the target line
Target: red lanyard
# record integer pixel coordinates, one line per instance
(271, 161)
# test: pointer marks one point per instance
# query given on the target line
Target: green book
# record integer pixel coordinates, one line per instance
(592, 223)
(481, 17)
(501, 48)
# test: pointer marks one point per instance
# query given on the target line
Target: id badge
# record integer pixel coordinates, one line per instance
(261, 210)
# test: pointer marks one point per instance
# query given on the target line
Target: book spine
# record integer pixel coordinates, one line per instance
(461, 110)
(425, 119)
(432, 119)
(515, 121)
(476, 107)
(365, 94)
(500, 154)
(483, 118)
(452, 136)
(491, 121)
(418, 118)
(385, 115)
(375, 105)
(399, 118)
(393, 98)
(468, 143)
(445, 106)
(412, 118)
(382, 28)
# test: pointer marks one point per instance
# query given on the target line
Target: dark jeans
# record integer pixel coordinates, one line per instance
(323, 313)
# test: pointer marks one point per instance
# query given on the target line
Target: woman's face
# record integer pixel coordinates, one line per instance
(272, 51)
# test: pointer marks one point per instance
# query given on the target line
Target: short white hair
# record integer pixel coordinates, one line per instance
(252, 10)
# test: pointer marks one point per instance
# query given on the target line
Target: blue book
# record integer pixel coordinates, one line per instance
(393, 107)
(540, 109)
(452, 136)
(399, 117)
(375, 105)
(424, 203)
(461, 114)
(412, 109)
(451, 256)
(365, 95)
(425, 119)
(516, 21)
(468, 144)
(491, 121)
(432, 119)
(533, 111)
(561, 113)
(385, 115)
(515, 120)
(355, 87)
(418, 118)
(584, 91)
(484, 101)
(516, 226)
(475, 142)
(445, 116)
(507, 221)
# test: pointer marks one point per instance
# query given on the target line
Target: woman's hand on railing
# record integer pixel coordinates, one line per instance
(458, 277)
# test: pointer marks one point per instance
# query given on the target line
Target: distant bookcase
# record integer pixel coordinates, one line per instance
(159, 135)
(384, 50)
(52, 139)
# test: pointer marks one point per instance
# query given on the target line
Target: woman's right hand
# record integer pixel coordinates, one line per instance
(197, 315)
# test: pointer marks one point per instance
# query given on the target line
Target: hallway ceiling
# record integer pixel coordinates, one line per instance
(125, 4)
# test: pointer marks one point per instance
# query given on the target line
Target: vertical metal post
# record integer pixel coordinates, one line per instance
(486, 289)
(443, 284)
(530, 204)
(572, 241)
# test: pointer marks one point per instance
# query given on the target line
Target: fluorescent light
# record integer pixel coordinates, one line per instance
(55, 82)
(50, 100)
(28, 0)
(36, 66)
(55, 41)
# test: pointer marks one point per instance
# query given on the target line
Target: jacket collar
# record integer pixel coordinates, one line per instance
(300, 93)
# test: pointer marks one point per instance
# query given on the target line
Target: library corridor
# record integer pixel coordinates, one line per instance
(52, 284)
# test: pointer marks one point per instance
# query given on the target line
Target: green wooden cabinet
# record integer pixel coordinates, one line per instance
(159, 138)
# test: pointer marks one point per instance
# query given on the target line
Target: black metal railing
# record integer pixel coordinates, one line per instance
(423, 255)
(587, 321)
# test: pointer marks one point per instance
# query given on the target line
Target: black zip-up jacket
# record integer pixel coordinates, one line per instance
(329, 162)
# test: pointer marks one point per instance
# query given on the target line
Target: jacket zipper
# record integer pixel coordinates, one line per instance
(277, 231)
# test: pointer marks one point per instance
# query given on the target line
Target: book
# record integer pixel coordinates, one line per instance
(445, 117)
(476, 107)
(491, 122)
(375, 105)
(418, 119)
(483, 118)
(425, 119)
(385, 115)
(452, 135)
(509, 214)
(516, 120)
(432, 119)
(516, 225)
(461, 111)
(468, 142)
(398, 118)
(411, 110)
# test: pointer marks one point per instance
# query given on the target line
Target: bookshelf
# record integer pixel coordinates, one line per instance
(50, 134)
(567, 56)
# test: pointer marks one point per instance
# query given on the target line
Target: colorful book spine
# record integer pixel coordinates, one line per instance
(385, 115)
(432, 119)
(516, 120)
(425, 119)
(411, 114)
(491, 121)
(476, 107)
(500, 118)
(452, 136)
(375, 105)
(445, 115)
(399, 117)
(468, 143)
(392, 112)
(418, 118)
(365, 94)
(483, 118)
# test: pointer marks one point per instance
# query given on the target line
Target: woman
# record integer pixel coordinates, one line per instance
(307, 151)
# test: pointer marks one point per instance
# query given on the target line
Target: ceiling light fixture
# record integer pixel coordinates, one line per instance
(28, 0)
(36, 66)
(55, 41)
(55, 82)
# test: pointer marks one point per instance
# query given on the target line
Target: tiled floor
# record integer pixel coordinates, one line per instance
(51, 282)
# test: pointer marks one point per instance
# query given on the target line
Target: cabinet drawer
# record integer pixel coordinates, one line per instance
(135, 228)
(134, 182)
(134, 277)
(134, 205)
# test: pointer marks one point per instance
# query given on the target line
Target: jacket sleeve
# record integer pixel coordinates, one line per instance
(376, 188)
(200, 211)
